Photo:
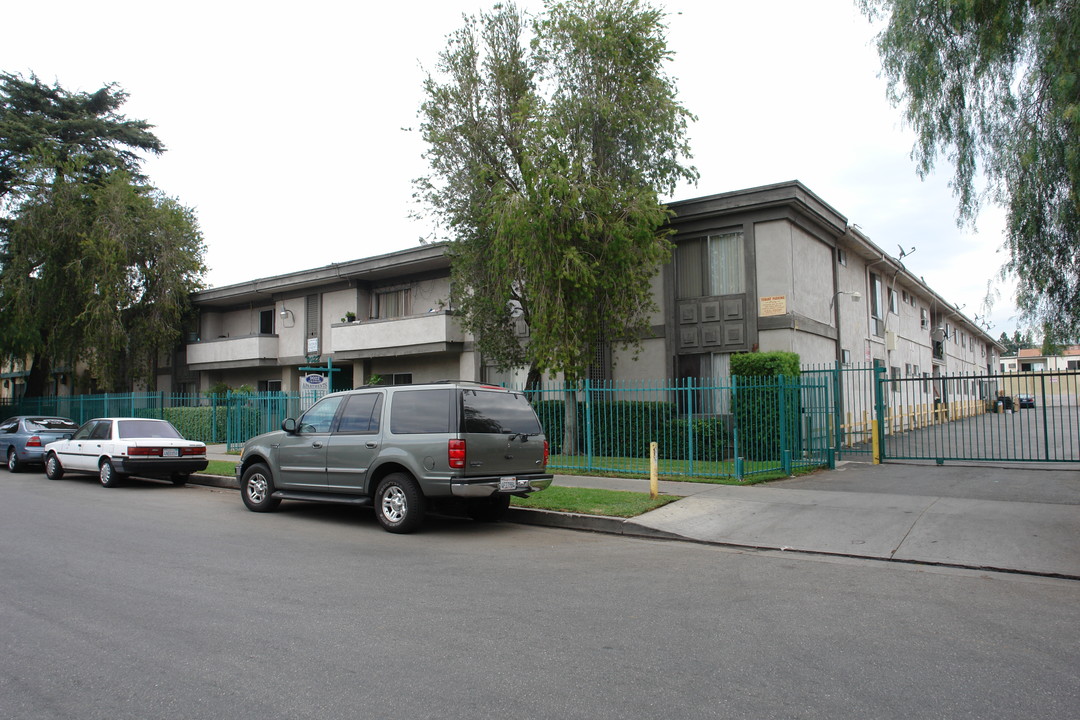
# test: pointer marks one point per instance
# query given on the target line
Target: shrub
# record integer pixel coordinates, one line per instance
(764, 431)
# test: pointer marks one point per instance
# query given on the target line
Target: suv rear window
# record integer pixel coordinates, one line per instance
(415, 412)
(498, 412)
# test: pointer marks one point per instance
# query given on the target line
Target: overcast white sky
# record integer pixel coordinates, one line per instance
(284, 121)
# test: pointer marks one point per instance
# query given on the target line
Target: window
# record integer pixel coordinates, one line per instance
(875, 305)
(841, 256)
(361, 414)
(710, 266)
(319, 417)
(1074, 364)
(924, 318)
(391, 303)
(894, 308)
(417, 412)
(894, 374)
(266, 322)
(269, 386)
(498, 413)
(845, 357)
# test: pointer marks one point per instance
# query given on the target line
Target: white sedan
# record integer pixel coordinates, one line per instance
(113, 448)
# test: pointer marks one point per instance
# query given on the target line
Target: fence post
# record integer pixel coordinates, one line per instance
(588, 424)
(1046, 433)
(228, 418)
(785, 451)
(690, 425)
(878, 434)
(735, 400)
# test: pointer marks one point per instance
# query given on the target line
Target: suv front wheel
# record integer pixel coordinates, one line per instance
(399, 503)
(257, 489)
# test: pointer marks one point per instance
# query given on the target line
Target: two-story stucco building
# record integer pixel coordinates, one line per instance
(768, 268)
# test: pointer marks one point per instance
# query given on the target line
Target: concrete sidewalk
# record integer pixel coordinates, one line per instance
(1011, 519)
(1015, 519)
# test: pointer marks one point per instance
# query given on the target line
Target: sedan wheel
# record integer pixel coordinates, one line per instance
(53, 469)
(13, 463)
(108, 475)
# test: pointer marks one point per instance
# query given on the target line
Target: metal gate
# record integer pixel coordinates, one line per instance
(1031, 417)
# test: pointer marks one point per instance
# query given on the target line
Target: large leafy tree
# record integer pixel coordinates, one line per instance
(550, 140)
(993, 86)
(95, 265)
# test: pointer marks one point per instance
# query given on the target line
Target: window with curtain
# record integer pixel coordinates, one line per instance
(711, 265)
(392, 304)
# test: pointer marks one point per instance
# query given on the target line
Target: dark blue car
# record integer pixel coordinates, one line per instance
(23, 438)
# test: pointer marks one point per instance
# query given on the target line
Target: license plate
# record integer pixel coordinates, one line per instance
(508, 483)
(170, 452)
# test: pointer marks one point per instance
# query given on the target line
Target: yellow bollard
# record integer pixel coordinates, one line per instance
(654, 480)
(876, 438)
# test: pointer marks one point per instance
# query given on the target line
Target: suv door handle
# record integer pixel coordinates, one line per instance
(372, 443)
(316, 444)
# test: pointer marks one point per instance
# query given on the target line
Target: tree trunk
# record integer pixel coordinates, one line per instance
(38, 379)
(570, 419)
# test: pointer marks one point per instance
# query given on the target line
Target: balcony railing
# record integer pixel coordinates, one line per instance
(416, 330)
(247, 348)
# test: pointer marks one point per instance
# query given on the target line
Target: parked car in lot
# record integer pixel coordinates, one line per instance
(1025, 401)
(402, 449)
(114, 448)
(23, 438)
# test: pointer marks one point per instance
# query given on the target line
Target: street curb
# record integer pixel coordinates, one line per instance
(590, 523)
(221, 481)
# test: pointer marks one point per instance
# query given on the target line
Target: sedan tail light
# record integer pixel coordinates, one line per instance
(193, 451)
(144, 451)
(455, 452)
(545, 453)
(33, 441)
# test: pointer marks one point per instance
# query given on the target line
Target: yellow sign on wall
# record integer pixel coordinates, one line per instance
(773, 305)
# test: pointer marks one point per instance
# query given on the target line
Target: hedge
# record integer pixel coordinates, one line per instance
(625, 429)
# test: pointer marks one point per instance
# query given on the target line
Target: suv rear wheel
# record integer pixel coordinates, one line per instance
(257, 489)
(399, 503)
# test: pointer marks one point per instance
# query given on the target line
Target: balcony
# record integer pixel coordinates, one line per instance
(243, 351)
(431, 332)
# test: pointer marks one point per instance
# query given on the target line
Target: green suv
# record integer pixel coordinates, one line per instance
(402, 449)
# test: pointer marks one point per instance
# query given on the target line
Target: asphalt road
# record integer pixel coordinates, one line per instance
(151, 601)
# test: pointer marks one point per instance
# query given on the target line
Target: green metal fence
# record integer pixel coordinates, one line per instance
(738, 428)
(228, 419)
(853, 389)
(1029, 417)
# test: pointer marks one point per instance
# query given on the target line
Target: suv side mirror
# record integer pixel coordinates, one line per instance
(289, 425)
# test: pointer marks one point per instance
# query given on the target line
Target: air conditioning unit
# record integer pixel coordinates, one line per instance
(890, 340)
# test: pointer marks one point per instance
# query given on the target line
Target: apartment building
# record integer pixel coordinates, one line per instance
(767, 268)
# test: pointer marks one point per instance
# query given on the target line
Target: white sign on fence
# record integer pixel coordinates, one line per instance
(312, 387)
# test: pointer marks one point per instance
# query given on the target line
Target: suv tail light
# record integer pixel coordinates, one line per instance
(545, 453)
(33, 441)
(455, 452)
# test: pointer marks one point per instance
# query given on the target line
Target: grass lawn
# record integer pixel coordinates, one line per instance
(700, 471)
(220, 467)
(589, 501)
